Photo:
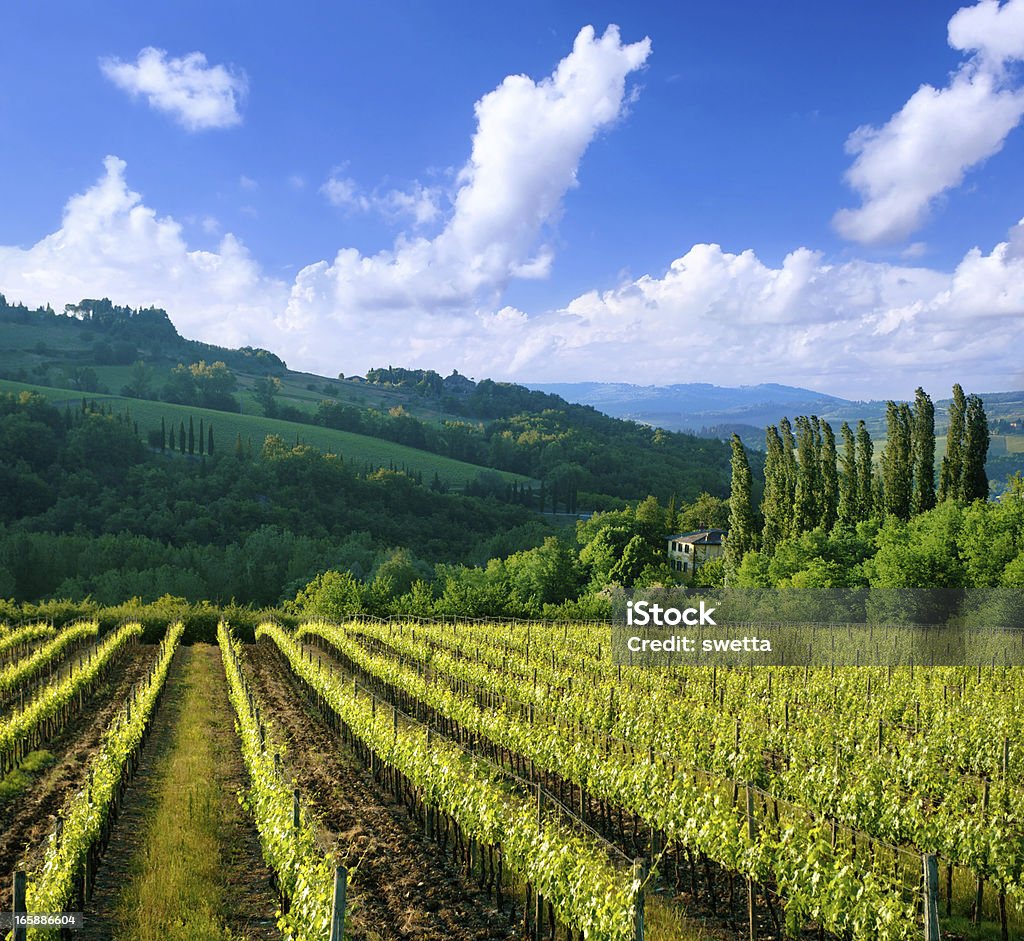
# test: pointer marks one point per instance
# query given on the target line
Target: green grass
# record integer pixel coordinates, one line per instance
(19, 780)
(356, 450)
(663, 921)
(177, 887)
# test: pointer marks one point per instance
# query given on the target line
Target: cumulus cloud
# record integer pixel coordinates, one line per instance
(530, 138)
(343, 192)
(927, 147)
(850, 328)
(195, 94)
(110, 244)
(419, 204)
(856, 328)
(994, 30)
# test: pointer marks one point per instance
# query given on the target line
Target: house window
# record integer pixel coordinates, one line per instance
(686, 566)
(686, 548)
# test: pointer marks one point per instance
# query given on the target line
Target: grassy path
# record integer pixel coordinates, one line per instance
(184, 864)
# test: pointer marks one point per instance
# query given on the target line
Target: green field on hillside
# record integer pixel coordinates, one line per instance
(356, 450)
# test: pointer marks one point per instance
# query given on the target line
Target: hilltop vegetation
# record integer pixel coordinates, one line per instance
(89, 510)
(575, 457)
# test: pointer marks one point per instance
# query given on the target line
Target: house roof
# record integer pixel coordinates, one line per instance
(700, 537)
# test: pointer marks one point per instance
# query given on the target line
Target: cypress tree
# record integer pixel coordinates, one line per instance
(209, 440)
(789, 470)
(671, 516)
(191, 436)
(897, 465)
(877, 493)
(163, 436)
(974, 481)
(865, 472)
(805, 502)
(741, 511)
(848, 509)
(924, 452)
(775, 505)
(172, 437)
(202, 438)
(951, 471)
(239, 451)
(829, 508)
(181, 437)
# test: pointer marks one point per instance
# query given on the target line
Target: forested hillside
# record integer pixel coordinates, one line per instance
(574, 457)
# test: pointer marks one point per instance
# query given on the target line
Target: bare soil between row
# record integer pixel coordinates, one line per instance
(27, 821)
(403, 887)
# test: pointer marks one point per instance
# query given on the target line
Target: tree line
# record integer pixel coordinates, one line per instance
(808, 485)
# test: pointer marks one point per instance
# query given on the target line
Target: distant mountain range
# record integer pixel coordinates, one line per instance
(746, 410)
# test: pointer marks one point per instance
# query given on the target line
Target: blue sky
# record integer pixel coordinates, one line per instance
(499, 189)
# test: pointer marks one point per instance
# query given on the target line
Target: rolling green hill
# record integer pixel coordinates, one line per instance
(574, 457)
(357, 450)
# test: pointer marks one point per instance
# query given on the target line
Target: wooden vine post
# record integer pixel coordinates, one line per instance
(752, 836)
(537, 902)
(979, 895)
(931, 897)
(338, 904)
(640, 875)
(20, 931)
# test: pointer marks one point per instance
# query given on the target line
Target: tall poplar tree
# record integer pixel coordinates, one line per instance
(788, 462)
(897, 464)
(202, 437)
(191, 436)
(741, 538)
(776, 506)
(951, 471)
(181, 436)
(829, 507)
(865, 472)
(805, 500)
(847, 509)
(163, 436)
(973, 480)
(209, 440)
(924, 452)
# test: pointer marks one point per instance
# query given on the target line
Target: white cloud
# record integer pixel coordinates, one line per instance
(926, 148)
(197, 95)
(529, 141)
(863, 329)
(995, 30)
(343, 192)
(110, 244)
(859, 328)
(296, 181)
(248, 183)
(419, 204)
(422, 204)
